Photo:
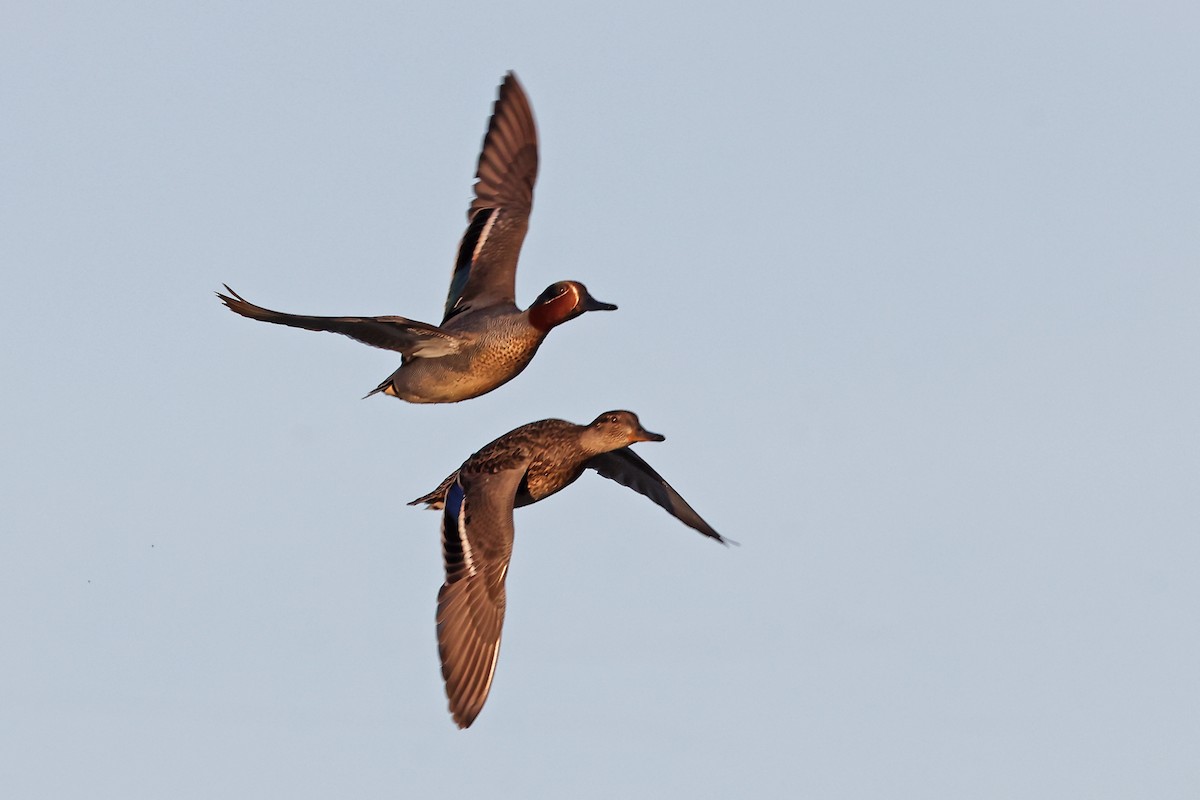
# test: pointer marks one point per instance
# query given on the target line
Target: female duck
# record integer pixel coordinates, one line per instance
(521, 467)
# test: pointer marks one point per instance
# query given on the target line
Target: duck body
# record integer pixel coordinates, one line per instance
(497, 345)
(525, 465)
(556, 460)
(484, 339)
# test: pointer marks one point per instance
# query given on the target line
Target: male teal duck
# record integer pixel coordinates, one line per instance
(521, 467)
(484, 339)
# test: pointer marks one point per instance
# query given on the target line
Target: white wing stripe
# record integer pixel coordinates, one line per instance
(483, 235)
(464, 541)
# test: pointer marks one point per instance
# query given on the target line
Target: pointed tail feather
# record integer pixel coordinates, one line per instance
(385, 387)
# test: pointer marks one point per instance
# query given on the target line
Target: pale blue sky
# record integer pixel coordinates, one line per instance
(912, 292)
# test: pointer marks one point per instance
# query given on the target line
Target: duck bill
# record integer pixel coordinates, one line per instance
(592, 304)
(644, 435)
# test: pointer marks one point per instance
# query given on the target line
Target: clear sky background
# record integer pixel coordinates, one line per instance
(913, 293)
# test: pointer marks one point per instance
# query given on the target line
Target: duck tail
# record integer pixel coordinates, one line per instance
(435, 500)
(385, 387)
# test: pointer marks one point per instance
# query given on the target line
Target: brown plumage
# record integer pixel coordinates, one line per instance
(484, 339)
(523, 466)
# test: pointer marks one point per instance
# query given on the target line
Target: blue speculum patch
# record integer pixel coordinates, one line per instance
(454, 501)
(451, 538)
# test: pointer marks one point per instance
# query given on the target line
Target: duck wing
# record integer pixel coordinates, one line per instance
(407, 336)
(477, 539)
(628, 469)
(486, 268)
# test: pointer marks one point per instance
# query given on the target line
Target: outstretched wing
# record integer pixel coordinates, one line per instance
(412, 338)
(477, 539)
(486, 268)
(628, 469)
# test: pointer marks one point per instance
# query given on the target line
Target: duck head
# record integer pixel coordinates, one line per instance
(613, 430)
(561, 302)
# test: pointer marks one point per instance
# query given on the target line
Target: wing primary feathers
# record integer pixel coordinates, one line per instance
(628, 469)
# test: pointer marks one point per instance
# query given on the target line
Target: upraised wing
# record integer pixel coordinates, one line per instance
(486, 267)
